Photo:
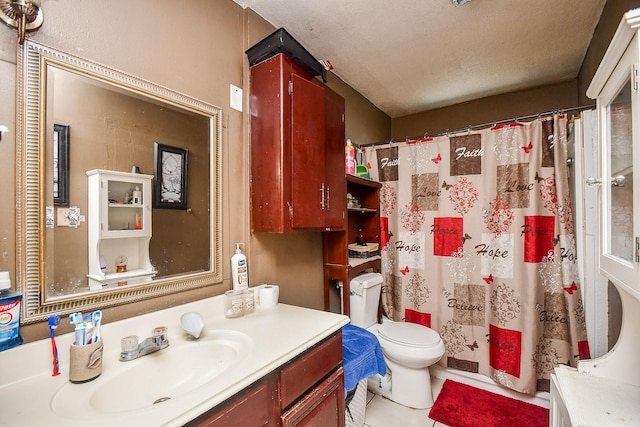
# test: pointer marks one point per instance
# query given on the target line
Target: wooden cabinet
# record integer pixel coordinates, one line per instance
(323, 406)
(254, 406)
(119, 228)
(297, 139)
(361, 224)
(309, 390)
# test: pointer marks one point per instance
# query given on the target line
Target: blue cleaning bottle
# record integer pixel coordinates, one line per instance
(9, 314)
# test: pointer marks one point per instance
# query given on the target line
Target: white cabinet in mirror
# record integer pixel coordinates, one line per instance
(120, 224)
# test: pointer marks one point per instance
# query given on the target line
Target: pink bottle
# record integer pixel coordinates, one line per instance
(349, 158)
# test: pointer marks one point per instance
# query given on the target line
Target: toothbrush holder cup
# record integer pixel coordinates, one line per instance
(85, 362)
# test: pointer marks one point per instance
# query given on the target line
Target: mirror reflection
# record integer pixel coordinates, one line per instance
(97, 119)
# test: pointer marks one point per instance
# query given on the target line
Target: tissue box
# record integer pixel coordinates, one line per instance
(363, 251)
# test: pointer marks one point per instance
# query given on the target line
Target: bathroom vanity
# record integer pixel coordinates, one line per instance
(311, 388)
(279, 366)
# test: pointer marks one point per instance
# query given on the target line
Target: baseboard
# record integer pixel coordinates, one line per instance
(541, 398)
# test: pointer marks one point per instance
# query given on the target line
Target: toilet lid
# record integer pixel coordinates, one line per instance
(410, 334)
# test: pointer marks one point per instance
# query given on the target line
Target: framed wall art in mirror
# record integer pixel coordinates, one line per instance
(170, 172)
(60, 154)
(116, 119)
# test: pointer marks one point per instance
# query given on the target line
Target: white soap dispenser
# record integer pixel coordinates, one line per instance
(239, 270)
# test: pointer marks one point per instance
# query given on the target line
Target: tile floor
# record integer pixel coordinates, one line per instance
(382, 412)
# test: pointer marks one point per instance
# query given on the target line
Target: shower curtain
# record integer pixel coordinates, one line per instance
(478, 244)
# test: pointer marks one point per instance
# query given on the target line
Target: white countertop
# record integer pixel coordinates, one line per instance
(595, 401)
(279, 334)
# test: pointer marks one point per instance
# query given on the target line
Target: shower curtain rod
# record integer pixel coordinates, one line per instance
(484, 125)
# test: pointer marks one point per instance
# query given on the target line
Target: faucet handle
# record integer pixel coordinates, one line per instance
(160, 331)
(129, 343)
(159, 335)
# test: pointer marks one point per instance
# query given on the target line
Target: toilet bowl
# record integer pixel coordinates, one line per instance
(408, 348)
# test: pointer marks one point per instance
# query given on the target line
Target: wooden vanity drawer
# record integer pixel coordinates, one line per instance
(307, 371)
(255, 406)
(323, 406)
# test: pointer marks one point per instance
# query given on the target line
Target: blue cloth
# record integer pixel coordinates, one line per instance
(362, 355)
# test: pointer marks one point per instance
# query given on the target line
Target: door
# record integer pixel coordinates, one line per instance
(335, 181)
(619, 134)
(307, 154)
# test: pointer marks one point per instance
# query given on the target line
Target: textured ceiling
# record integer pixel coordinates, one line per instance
(408, 56)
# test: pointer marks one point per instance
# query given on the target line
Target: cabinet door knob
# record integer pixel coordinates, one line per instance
(618, 181)
(594, 181)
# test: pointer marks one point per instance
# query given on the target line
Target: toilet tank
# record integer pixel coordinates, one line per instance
(364, 295)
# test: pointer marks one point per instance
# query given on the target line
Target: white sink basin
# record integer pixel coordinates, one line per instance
(156, 378)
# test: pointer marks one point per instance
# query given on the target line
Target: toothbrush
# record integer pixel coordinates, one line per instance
(54, 321)
(75, 318)
(96, 318)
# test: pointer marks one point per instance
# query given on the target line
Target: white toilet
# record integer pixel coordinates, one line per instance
(408, 348)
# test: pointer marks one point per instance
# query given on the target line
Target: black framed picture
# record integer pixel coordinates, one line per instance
(60, 165)
(170, 170)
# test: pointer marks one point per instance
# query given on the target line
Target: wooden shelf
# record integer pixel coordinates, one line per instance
(362, 210)
(362, 223)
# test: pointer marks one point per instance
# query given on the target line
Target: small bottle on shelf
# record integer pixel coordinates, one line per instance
(349, 158)
(136, 199)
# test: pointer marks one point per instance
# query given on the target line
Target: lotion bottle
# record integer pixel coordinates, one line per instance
(239, 270)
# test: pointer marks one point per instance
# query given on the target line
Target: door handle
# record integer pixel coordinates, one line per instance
(328, 198)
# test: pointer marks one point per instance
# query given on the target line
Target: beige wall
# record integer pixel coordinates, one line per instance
(195, 50)
(200, 51)
(486, 110)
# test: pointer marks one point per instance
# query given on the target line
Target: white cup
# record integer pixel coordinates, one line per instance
(269, 296)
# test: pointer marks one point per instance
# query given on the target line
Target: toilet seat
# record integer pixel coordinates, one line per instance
(409, 334)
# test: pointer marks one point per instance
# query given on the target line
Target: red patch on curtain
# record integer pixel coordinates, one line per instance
(505, 350)
(384, 232)
(538, 237)
(447, 235)
(418, 317)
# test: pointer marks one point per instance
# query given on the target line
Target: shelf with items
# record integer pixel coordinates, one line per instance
(362, 226)
(119, 228)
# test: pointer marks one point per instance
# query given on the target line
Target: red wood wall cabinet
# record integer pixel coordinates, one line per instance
(297, 146)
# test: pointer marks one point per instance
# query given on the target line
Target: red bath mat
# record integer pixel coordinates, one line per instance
(460, 405)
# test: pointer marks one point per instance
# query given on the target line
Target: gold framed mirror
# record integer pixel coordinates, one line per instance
(112, 121)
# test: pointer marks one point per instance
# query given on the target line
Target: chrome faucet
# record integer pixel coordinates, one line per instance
(132, 350)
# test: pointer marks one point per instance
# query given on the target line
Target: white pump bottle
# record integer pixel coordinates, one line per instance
(239, 270)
